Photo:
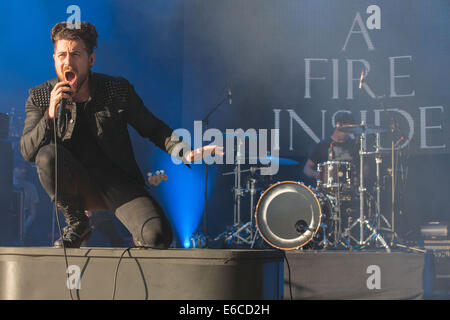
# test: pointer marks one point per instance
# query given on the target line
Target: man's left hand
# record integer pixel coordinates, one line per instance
(203, 152)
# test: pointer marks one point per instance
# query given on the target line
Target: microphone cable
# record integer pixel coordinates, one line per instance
(56, 198)
(116, 273)
(289, 274)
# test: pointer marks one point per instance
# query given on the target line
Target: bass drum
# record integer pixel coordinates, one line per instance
(289, 214)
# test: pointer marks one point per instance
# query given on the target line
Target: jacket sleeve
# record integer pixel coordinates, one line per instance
(149, 126)
(37, 130)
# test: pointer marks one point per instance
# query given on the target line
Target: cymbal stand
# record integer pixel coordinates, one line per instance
(362, 221)
(378, 215)
(238, 191)
(253, 230)
(394, 128)
(362, 189)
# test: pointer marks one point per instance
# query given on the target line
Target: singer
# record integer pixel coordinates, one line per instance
(340, 146)
(96, 166)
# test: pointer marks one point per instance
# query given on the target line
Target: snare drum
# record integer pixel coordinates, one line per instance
(289, 214)
(334, 175)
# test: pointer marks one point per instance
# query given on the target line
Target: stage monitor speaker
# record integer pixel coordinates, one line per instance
(4, 126)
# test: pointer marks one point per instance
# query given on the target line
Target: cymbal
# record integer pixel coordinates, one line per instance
(375, 153)
(271, 159)
(359, 129)
(244, 135)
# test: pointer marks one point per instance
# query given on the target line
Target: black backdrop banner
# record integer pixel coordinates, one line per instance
(294, 65)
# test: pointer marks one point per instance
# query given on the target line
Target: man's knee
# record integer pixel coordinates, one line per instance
(155, 234)
(146, 221)
(45, 158)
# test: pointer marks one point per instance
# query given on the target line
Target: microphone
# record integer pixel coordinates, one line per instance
(230, 100)
(62, 105)
(301, 226)
(361, 79)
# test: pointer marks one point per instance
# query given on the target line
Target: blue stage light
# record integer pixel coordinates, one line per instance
(182, 195)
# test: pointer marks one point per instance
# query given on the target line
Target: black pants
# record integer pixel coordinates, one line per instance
(105, 188)
(102, 220)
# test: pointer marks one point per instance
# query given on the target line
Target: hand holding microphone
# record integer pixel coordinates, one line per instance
(59, 96)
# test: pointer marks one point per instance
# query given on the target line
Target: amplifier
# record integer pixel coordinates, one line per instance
(435, 231)
(441, 281)
(442, 245)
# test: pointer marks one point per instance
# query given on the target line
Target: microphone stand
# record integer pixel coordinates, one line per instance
(206, 121)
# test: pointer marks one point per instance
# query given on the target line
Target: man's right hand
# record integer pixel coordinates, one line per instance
(310, 170)
(59, 92)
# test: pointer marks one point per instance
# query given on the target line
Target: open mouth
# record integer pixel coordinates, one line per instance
(70, 77)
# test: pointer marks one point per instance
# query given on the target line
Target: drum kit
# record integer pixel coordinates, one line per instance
(290, 215)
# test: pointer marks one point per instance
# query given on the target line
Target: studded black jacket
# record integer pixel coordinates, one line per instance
(115, 105)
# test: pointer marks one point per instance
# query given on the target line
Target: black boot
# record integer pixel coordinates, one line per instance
(77, 229)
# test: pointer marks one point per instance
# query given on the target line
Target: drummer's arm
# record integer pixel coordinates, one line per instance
(310, 169)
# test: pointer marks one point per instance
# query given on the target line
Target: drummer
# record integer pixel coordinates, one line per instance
(341, 146)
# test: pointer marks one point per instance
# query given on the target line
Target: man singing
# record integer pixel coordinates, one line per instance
(96, 166)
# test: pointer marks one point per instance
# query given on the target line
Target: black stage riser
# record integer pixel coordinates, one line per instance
(357, 275)
(212, 274)
(194, 274)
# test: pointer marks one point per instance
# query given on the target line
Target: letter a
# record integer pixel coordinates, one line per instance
(362, 30)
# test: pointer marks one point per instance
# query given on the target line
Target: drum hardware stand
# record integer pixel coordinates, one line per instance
(362, 221)
(336, 214)
(394, 126)
(253, 232)
(241, 233)
(324, 243)
(248, 228)
(336, 217)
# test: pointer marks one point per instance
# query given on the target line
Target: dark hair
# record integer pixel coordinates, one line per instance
(87, 33)
(344, 118)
